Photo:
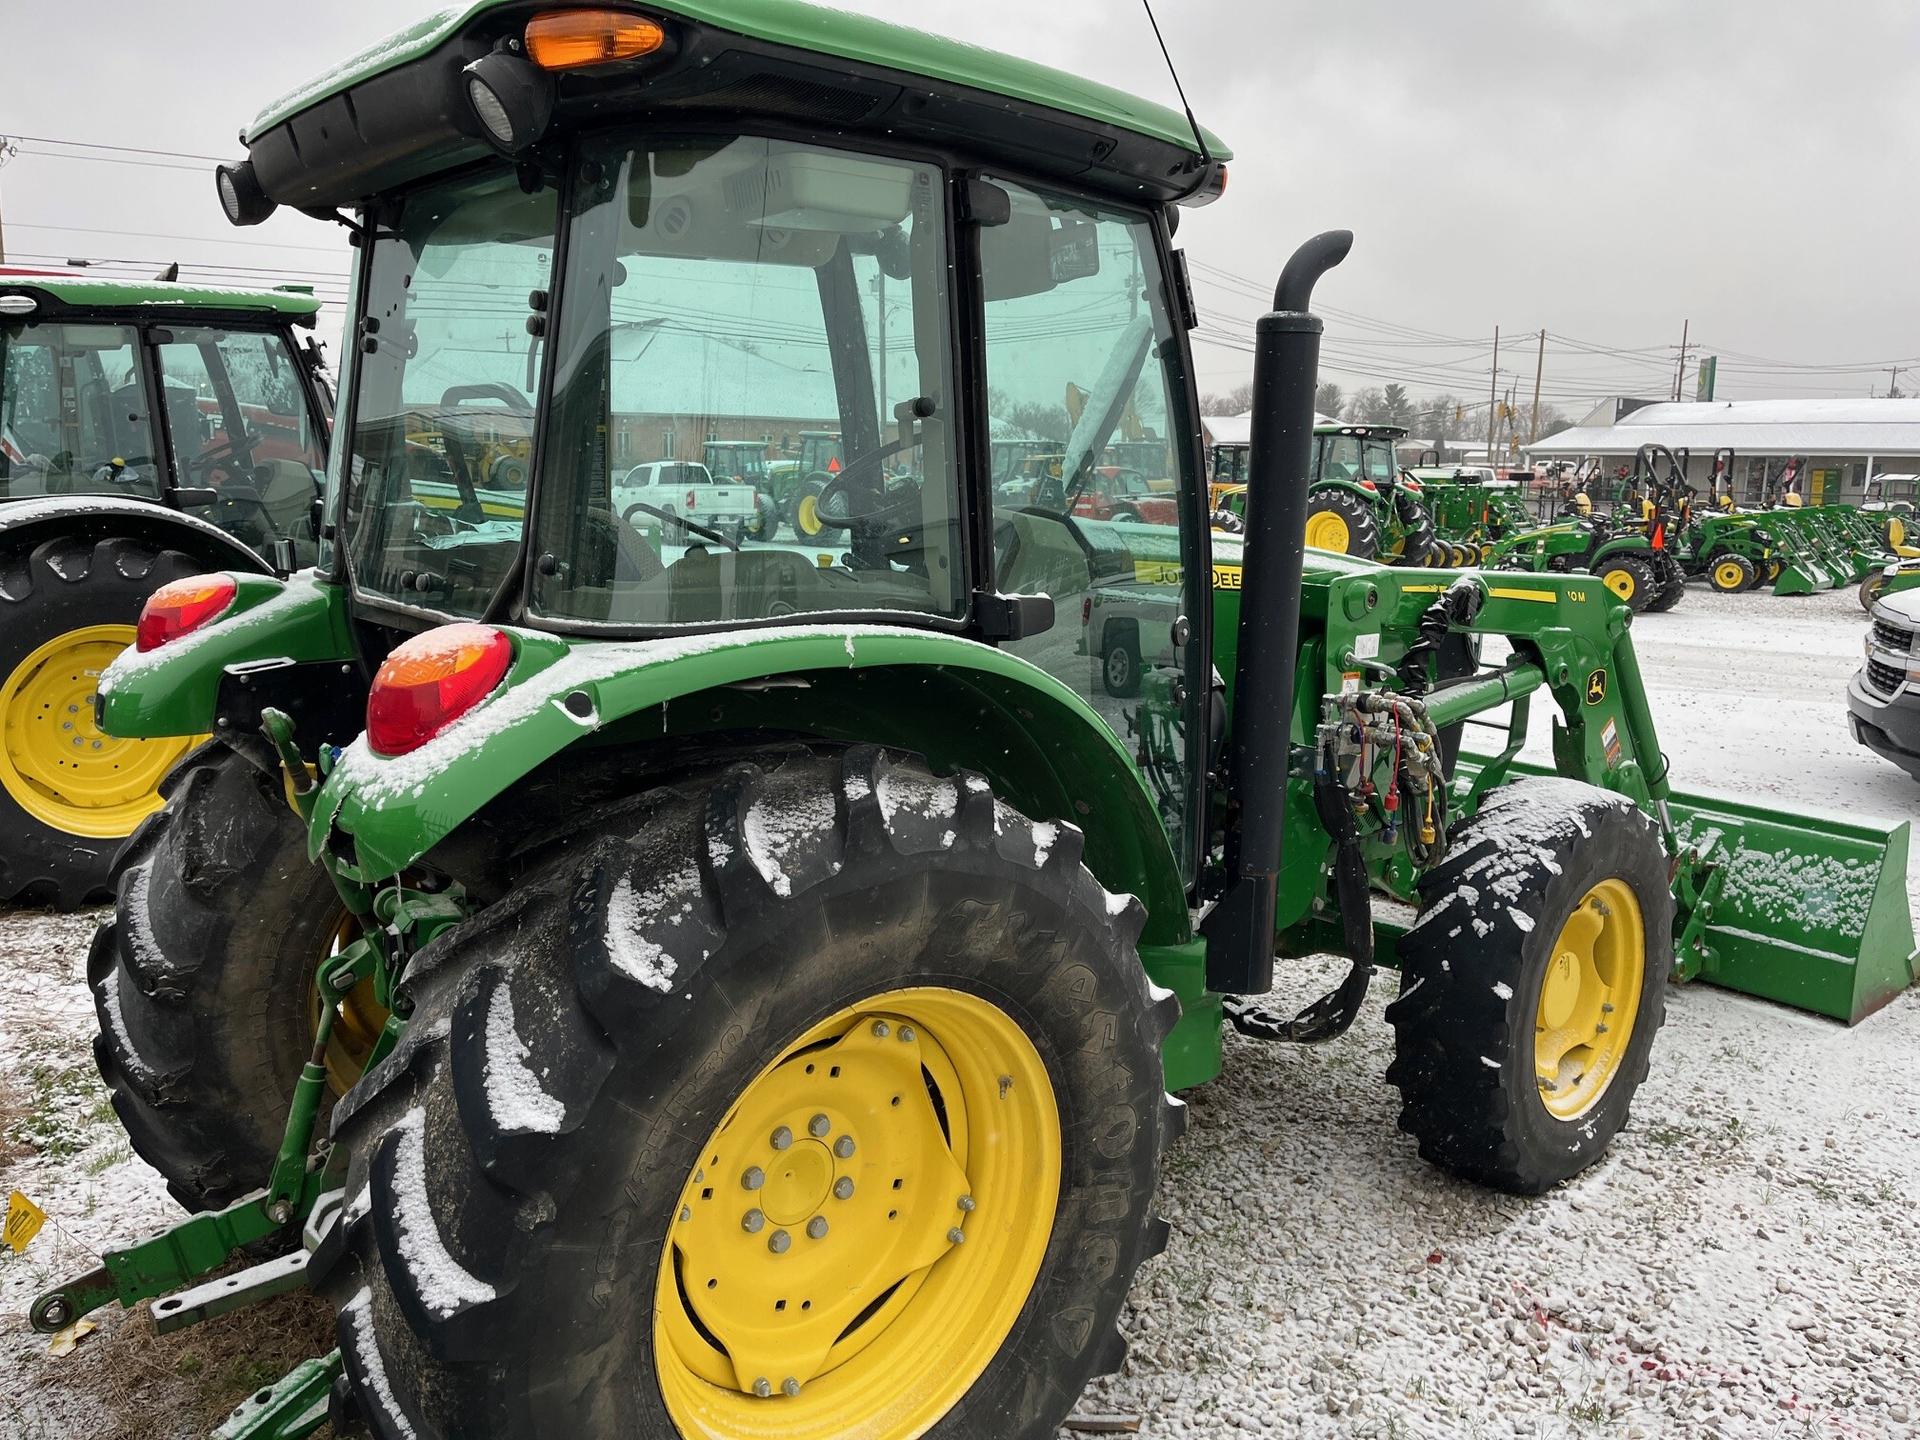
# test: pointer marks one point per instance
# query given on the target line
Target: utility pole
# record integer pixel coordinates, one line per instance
(1539, 369)
(1493, 393)
(1680, 374)
(1893, 380)
(8, 149)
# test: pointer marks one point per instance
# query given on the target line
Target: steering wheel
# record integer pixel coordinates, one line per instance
(236, 445)
(836, 488)
(641, 507)
(487, 390)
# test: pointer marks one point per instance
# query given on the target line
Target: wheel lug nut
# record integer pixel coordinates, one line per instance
(790, 1385)
(763, 1387)
(817, 1227)
(966, 1203)
(906, 1034)
(752, 1222)
(880, 1028)
(957, 1235)
(819, 1127)
(779, 1242)
(754, 1178)
(782, 1138)
(843, 1147)
(686, 1212)
(843, 1188)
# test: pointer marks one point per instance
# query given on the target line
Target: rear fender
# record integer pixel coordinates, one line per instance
(175, 689)
(957, 702)
(25, 523)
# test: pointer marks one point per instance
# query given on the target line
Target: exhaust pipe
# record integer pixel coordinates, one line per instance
(1239, 929)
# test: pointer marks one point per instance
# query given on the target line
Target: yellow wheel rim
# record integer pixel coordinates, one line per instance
(1729, 576)
(361, 1018)
(1588, 1000)
(1326, 530)
(807, 515)
(863, 1228)
(55, 763)
(1620, 582)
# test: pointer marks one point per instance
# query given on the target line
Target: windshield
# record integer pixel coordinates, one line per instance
(74, 413)
(446, 378)
(750, 286)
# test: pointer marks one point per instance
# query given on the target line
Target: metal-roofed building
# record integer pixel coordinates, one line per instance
(1842, 443)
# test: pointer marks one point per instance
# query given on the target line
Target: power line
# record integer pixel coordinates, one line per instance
(121, 149)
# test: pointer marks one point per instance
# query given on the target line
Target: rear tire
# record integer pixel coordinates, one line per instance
(203, 977)
(1341, 521)
(524, 1164)
(1120, 660)
(66, 607)
(1631, 579)
(1870, 589)
(1480, 970)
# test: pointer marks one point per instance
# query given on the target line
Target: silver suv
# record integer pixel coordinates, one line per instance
(1883, 698)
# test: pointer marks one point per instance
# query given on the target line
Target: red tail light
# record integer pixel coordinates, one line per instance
(691, 497)
(1410, 485)
(180, 607)
(1369, 485)
(430, 682)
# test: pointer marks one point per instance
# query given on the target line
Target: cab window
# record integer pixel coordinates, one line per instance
(246, 454)
(74, 413)
(1082, 364)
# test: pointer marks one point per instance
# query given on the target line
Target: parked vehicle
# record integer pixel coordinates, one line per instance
(760, 974)
(149, 431)
(1362, 503)
(667, 490)
(1883, 698)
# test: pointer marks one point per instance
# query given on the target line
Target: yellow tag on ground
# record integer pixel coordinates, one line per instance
(24, 1219)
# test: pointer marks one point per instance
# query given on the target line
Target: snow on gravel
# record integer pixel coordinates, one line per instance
(1742, 1264)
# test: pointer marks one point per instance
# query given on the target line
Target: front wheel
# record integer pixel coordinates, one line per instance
(1533, 984)
(1730, 574)
(821, 1099)
(1631, 579)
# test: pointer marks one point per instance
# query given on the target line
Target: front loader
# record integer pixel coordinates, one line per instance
(675, 985)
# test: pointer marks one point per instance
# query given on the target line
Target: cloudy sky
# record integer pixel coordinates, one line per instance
(1603, 169)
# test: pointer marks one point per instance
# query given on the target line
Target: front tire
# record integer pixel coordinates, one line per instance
(203, 978)
(1533, 984)
(742, 958)
(1631, 579)
(1731, 574)
(69, 793)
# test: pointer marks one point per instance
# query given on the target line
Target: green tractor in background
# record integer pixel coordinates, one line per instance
(721, 987)
(1733, 552)
(149, 431)
(1471, 510)
(1362, 503)
(1628, 551)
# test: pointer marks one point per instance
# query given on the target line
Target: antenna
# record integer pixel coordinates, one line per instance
(1199, 136)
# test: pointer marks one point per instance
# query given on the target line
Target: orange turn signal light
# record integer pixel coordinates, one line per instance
(430, 681)
(575, 39)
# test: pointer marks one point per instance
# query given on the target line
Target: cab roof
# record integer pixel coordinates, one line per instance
(73, 292)
(800, 26)
(398, 113)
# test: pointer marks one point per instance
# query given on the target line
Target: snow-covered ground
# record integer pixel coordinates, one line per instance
(1742, 1264)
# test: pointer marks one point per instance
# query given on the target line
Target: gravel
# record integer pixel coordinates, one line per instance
(1741, 1264)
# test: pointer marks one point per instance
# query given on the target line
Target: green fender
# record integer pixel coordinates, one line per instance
(958, 702)
(174, 690)
(1372, 497)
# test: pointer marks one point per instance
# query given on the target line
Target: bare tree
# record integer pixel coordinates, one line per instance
(1236, 401)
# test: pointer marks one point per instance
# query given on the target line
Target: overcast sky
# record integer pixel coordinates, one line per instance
(1605, 169)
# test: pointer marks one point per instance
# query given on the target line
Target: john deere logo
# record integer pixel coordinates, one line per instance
(1596, 687)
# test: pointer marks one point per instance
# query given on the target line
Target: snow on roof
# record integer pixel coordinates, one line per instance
(1228, 429)
(1751, 427)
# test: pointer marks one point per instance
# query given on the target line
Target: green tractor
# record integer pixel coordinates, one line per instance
(1362, 503)
(1628, 551)
(1471, 510)
(796, 483)
(149, 431)
(723, 990)
(1733, 552)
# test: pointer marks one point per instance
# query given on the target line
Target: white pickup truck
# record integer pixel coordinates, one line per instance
(685, 489)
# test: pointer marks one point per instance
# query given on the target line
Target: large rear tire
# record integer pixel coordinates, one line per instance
(1533, 984)
(1341, 521)
(821, 1099)
(203, 978)
(69, 793)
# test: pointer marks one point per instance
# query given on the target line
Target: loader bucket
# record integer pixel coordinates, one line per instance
(1809, 911)
(1799, 578)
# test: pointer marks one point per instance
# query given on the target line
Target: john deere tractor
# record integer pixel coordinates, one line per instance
(148, 431)
(1362, 503)
(715, 988)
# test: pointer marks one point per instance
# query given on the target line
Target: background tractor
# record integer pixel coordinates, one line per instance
(1362, 503)
(755, 972)
(148, 431)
